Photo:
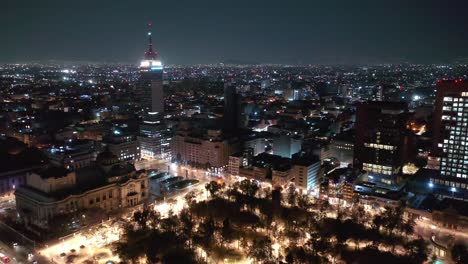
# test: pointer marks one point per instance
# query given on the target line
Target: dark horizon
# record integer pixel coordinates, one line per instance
(263, 32)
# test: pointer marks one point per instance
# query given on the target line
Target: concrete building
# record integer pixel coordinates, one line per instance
(339, 183)
(290, 94)
(285, 145)
(52, 191)
(72, 154)
(256, 143)
(322, 151)
(239, 160)
(154, 137)
(342, 148)
(305, 171)
(209, 147)
(269, 168)
(125, 147)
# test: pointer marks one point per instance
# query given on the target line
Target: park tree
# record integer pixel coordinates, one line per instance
(180, 255)
(290, 258)
(214, 187)
(260, 251)
(303, 201)
(276, 199)
(187, 225)
(377, 222)
(207, 229)
(127, 252)
(227, 232)
(417, 250)
(324, 206)
(145, 217)
(190, 198)
(249, 187)
(358, 214)
(407, 227)
(292, 195)
(459, 253)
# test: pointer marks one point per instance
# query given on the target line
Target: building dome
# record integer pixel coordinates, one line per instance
(106, 158)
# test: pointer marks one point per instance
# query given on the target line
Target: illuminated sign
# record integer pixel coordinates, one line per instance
(464, 94)
(151, 63)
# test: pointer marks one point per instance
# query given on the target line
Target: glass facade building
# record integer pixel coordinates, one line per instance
(451, 139)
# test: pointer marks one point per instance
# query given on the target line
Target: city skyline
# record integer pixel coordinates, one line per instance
(245, 33)
(304, 132)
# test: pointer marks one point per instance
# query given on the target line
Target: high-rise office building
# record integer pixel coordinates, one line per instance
(450, 135)
(232, 118)
(150, 84)
(154, 135)
(380, 140)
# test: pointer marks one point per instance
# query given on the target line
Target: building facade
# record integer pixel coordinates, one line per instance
(125, 147)
(232, 117)
(342, 148)
(450, 135)
(72, 156)
(380, 146)
(286, 145)
(154, 138)
(55, 191)
(305, 171)
(257, 144)
(210, 148)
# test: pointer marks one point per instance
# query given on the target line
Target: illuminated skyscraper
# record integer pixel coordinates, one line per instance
(450, 136)
(154, 134)
(154, 137)
(151, 80)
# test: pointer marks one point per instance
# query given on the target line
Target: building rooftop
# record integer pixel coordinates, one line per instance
(52, 172)
(305, 160)
(275, 162)
(27, 158)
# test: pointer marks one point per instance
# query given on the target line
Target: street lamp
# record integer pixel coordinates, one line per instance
(431, 185)
(453, 189)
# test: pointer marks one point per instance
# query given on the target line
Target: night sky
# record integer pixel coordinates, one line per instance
(192, 32)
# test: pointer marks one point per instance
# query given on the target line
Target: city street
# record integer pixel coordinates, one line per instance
(7, 202)
(15, 258)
